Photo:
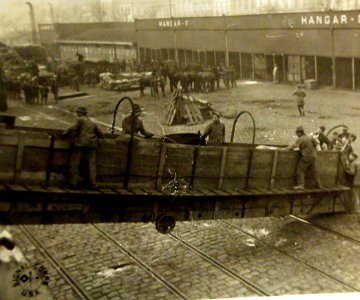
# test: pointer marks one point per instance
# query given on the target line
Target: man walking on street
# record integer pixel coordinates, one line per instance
(300, 95)
(84, 135)
(307, 161)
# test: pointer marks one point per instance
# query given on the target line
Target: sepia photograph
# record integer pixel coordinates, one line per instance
(179, 149)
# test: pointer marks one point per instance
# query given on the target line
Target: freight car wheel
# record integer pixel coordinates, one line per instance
(165, 224)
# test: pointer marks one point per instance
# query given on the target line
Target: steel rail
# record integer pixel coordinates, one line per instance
(222, 267)
(56, 264)
(294, 258)
(324, 228)
(172, 288)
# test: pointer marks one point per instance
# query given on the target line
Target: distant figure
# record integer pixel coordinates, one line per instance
(133, 120)
(300, 95)
(54, 85)
(307, 161)
(84, 135)
(215, 131)
(275, 74)
(345, 135)
(79, 56)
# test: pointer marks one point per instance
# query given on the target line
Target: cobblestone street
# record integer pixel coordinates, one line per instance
(276, 256)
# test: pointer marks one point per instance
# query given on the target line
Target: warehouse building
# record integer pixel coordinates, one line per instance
(317, 45)
(94, 41)
(313, 45)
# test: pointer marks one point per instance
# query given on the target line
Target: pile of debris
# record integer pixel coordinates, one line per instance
(122, 82)
(186, 109)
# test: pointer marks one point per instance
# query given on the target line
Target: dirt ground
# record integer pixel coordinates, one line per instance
(273, 107)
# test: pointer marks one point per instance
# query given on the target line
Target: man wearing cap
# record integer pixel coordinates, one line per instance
(133, 120)
(300, 99)
(84, 135)
(323, 139)
(345, 135)
(215, 131)
(307, 148)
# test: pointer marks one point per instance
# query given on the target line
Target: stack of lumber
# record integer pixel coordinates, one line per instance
(185, 109)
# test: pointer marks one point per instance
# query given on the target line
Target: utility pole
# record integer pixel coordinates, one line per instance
(52, 13)
(170, 8)
(35, 40)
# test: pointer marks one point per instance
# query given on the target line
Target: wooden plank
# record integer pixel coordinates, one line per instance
(222, 168)
(273, 169)
(124, 192)
(19, 156)
(172, 117)
(161, 166)
(16, 187)
(153, 192)
(189, 116)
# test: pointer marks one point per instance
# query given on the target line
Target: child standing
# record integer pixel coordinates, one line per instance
(300, 95)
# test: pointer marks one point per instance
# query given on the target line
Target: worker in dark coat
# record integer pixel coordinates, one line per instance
(307, 148)
(324, 141)
(132, 119)
(215, 131)
(84, 135)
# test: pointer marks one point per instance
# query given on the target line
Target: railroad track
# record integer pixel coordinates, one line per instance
(324, 228)
(216, 263)
(172, 288)
(305, 264)
(249, 285)
(77, 288)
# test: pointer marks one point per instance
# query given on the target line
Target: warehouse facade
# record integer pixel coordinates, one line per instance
(317, 45)
(94, 41)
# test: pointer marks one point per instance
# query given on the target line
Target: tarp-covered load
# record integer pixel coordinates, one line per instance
(122, 82)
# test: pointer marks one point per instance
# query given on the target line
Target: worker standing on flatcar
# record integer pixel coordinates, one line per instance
(307, 148)
(84, 135)
(132, 119)
(215, 131)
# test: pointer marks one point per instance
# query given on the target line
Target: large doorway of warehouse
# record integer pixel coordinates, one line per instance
(271, 60)
(308, 67)
(357, 73)
(260, 66)
(343, 67)
(220, 58)
(324, 69)
(234, 60)
(246, 66)
(181, 57)
(210, 58)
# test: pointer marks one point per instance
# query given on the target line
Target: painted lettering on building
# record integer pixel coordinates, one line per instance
(340, 19)
(173, 23)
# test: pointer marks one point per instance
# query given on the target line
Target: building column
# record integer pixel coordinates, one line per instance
(240, 65)
(333, 58)
(215, 58)
(284, 67)
(353, 73)
(205, 58)
(316, 68)
(252, 66)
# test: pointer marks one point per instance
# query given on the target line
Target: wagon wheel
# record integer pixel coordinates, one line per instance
(335, 127)
(235, 121)
(165, 224)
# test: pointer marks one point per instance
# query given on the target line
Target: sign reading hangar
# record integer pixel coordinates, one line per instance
(339, 19)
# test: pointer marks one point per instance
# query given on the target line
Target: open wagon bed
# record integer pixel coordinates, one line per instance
(149, 179)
